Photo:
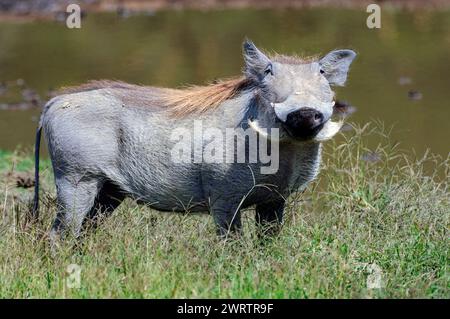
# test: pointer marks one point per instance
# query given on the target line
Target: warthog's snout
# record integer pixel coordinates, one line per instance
(305, 123)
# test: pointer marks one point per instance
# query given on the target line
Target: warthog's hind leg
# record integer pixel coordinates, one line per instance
(75, 199)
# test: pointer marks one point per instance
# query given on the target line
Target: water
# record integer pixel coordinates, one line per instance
(401, 75)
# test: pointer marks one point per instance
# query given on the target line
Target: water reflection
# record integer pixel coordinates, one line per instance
(400, 76)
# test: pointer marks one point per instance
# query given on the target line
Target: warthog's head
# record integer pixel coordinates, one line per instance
(299, 91)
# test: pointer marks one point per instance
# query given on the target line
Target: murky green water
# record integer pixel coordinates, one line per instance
(411, 52)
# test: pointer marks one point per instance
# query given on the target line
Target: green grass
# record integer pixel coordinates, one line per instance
(360, 219)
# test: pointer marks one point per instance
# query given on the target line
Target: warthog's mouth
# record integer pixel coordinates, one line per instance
(324, 132)
(303, 134)
(319, 133)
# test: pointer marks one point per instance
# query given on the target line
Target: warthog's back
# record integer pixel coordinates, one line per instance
(99, 133)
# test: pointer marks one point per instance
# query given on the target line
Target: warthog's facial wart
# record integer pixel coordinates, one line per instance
(299, 91)
(282, 110)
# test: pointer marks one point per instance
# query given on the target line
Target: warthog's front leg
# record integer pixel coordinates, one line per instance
(227, 217)
(269, 218)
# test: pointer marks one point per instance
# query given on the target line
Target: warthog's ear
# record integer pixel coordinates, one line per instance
(335, 65)
(257, 64)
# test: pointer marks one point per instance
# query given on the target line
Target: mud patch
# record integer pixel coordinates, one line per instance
(20, 179)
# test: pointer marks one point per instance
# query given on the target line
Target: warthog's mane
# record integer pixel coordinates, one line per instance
(182, 101)
(199, 99)
(292, 59)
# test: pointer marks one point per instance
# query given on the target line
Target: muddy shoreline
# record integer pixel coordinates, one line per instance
(55, 9)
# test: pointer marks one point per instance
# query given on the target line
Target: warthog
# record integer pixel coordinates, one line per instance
(110, 140)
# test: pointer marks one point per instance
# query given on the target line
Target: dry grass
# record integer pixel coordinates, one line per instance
(388, 216)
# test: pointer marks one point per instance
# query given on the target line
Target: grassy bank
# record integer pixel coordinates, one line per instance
(375, 224)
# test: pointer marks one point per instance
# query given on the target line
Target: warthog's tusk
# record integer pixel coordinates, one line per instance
(329, 130)
(263, 131)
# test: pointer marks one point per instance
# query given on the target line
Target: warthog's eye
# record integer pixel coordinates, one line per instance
(268, 69)
(322, 71)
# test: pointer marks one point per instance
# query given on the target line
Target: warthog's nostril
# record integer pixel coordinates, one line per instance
(318, 117)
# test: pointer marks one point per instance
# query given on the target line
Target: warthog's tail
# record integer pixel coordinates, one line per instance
(37, 145)
(35, 213)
